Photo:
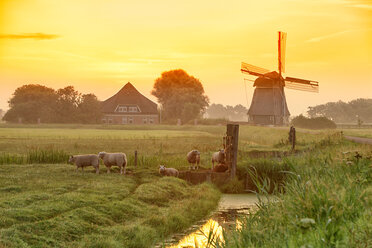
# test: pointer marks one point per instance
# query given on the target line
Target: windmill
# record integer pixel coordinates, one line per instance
(269, 105)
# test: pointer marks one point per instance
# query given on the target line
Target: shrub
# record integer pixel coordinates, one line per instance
(313, 123)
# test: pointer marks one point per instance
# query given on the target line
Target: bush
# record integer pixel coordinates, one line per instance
(313, 123)
(208, 121)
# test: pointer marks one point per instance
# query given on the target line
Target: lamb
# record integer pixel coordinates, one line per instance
(110, 159)
(193, 157)
(170, 172)
(218, 157)
(82, 161)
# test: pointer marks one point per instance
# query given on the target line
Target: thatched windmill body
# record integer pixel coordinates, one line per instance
(269, 105)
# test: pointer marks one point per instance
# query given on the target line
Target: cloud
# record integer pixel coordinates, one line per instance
(362, 6)
(324, 37)
(36, 36)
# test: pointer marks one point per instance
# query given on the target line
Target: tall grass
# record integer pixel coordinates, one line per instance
(326, 203)
(35, 156)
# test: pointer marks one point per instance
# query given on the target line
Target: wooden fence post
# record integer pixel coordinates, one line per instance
(135, 158)
(232, 147)
(292, 137)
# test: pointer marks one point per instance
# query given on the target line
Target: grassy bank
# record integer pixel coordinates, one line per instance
(327, 203)
(53, 206)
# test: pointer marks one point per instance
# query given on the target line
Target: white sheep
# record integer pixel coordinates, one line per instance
(170, 172)
(218, 157)
(110, 159)
(193, 157)
(82, 161)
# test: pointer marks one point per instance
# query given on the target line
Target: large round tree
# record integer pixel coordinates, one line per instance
(181, 95)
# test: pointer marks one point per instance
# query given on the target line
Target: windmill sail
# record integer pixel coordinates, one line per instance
(281, 50)
(253, 70)
(301, 84)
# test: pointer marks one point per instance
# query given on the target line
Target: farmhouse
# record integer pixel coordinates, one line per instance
(129, 106)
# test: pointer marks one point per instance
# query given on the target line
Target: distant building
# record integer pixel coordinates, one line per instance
(129, 106)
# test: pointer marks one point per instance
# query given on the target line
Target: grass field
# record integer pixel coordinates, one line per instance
(364, 133)
(44, 202)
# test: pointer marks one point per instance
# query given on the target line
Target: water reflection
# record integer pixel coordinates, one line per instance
(227, 217)
(199, 237)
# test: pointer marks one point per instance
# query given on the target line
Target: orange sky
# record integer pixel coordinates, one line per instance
(99, 45)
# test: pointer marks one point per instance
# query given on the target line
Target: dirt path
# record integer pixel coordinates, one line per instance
(359, 140)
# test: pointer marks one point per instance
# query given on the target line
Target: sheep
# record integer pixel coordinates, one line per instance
(220, 168)
(85, 160)
(109, 159)
(193, 157)
(170, 172)
(218, 157)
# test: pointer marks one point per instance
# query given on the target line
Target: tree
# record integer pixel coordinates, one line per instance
(232, 113)
(181, 95)
(216, 111)
(1, 113)
(342, 112)
(89, 109)
(30, 102)
(67, 104)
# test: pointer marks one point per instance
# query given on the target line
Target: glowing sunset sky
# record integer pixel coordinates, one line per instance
(99, 45)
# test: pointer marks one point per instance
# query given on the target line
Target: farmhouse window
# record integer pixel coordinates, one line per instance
(109, 120)
(104, 120)
(122, 109)
(151, 120)
(130, 120)
(132, 109)
(144, 120)
(124, 120)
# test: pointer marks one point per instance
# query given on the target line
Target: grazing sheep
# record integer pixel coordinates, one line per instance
(220, 168)
(110, 159)
(170, 172)
(193, 157)
(218, 157)
(85, 160)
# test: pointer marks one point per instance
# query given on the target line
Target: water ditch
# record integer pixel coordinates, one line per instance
(230, 210)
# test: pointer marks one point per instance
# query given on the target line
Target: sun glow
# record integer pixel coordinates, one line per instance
(98, 46)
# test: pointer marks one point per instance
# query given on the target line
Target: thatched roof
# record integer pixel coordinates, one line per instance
(268, 97)
(129, 96)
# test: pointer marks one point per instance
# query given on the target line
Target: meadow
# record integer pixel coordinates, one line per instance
(45, 203)
(364, 133)
(326, 201)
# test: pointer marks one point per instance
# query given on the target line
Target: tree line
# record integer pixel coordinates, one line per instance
(355, 111)
(232, 113)
(180, 95)
(33, 103)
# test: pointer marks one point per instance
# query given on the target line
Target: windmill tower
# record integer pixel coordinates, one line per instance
(269, 105)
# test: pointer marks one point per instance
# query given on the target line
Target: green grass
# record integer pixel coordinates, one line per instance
(148, 140)
(53, 206)
(326, 202)
(364, 133)
(45, 203)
